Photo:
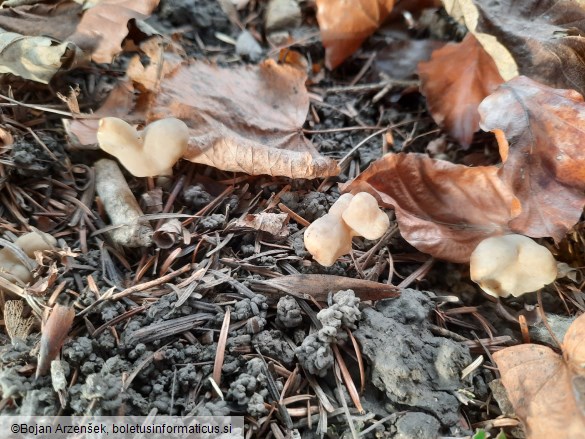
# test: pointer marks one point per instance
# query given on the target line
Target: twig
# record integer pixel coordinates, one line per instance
(121, 206)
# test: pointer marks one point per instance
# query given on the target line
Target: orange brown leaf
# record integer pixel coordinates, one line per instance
(346, 24)
(546, 388)
(455, 81)
(540, 134)
(441, 208)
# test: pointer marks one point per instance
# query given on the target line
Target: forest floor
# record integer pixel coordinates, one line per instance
(217, 306)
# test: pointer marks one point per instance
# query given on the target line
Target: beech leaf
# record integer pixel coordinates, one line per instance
(544, 38)
(441, 208)
(546, 389)
(540, 134)
(346, 24)
(455, 81)
(245, 119)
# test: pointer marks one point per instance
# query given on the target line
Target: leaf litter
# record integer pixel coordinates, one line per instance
(227, 300)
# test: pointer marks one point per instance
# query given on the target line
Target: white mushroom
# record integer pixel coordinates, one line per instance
(364, 216)
(511, 265)
(149, 153)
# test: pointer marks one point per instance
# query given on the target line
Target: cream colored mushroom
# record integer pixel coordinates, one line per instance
(511, 265)
(149, 153)
(329, 237)
(12, 266)
(364, 216)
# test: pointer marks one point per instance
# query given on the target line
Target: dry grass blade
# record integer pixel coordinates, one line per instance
(153, 283)
(360, 361)
(167, 328)
(351, 389)
(53, 335)
(220, 354)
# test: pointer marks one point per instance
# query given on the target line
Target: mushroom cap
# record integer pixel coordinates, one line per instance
(327, 238)
(341, 204)
(511, 265)
(152, 152)
(365, 217)
(10, 263)
(35, 241)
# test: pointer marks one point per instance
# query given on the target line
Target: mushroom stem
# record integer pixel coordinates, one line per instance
(121, 206)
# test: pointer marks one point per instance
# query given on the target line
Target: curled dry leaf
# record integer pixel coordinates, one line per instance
(168, 234)
(53, 335)
(540, 134)
(455, 81)
(440, 206)
(546, 389)
(273, 223)
(346, 24)
(40, 39)
(544, 39)
(245, 119)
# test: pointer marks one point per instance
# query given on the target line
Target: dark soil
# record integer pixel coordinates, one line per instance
(155, 348)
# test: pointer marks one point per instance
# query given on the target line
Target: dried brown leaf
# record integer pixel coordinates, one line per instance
(540, 134)
(168, 234)
(318, 286)
(53, 335)
(544, 38)
(441, 207)
(346, 24)
(455, 81)
(546, 388)
(244, 119)
(273, 223)
(104, 26)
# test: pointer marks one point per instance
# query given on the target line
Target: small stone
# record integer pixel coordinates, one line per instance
(248, 47)
(416, 425)
(282, 14)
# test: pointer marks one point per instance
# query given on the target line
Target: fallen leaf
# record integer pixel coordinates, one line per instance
(455, 81)
(346, 24)
(39, 40)
(273, 223)
(440, 207)
(53, 334)
(244, 119)
(545, 388)
(34, 58)
(544, 38)
(540, 134)
(103, 27)
(319, 286)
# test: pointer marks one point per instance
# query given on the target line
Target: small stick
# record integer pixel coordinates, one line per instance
(121, 206)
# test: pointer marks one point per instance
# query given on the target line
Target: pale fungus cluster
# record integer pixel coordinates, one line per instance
(329, 237)
(146, 153)
(15, 264)
(512, 265)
